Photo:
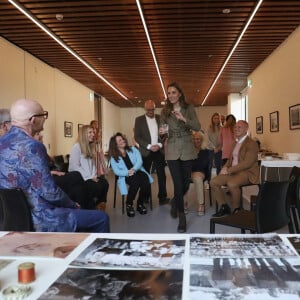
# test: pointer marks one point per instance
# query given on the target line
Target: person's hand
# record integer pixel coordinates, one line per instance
(95, 179)
(154, 148)
(57, 173)
(179, 116)
(224, 171)
(77, 205)
(131, 172)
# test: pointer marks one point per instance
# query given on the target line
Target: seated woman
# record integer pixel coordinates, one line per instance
(200, 169)
(82, 159)
(126, 162)
(71, 183)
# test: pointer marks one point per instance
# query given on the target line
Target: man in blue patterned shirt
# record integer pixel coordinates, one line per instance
(24, 165)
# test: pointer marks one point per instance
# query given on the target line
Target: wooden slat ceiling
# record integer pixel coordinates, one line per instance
(191, 40)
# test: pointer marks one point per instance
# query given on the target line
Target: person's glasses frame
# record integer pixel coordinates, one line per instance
(44, 115)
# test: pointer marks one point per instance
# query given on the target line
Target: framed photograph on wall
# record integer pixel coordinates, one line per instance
(259, 125)
(79, 126)
(68, 129)
(294, 116)
(274, 121)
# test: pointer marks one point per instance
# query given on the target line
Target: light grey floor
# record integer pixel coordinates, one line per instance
(159, 220)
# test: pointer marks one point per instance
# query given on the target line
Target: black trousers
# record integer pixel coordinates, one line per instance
(73, 185)
(181, 171)
(138, 182)
(158, 160)
(96, 191)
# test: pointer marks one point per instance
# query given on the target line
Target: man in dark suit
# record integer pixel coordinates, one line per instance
(150, 145)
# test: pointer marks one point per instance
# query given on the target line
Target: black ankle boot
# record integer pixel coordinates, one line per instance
(182, 223)
(174, 211)
(223, 211)
(130, 210)
(141, 209)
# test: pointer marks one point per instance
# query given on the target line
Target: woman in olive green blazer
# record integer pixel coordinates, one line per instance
(181, 118)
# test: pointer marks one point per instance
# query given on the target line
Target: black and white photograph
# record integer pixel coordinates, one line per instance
(68, 129)
(119, 253)
(274, 121)
(83, 284)
(294, 116)
(239, 246)
(259, 125)
(295, 241)
(245, 279)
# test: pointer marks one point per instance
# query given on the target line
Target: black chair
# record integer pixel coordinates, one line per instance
(15, 213)
(123, 196)
(271, 211)
(294, 200)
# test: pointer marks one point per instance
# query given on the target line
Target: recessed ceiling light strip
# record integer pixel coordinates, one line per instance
(232, 50)
(150, 45)
(61, 43)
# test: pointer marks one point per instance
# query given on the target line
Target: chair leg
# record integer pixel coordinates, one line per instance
(115, 192)
(212, 226)
(123, 204)
(209, 193)
(150, 200)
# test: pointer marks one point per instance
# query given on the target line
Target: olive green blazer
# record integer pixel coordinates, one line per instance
(179, 143)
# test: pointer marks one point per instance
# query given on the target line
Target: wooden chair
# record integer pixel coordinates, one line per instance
(15, 213)
(271, 211)
(123, 196)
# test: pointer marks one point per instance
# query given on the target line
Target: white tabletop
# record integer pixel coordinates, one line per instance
(280, 163)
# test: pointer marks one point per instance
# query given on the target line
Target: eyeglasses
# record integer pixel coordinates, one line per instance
(153, 109)
(44, 115)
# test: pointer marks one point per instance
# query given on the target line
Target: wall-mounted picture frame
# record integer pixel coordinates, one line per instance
(79, 126)
(259, 125)
(68, 129)
(294, 116)
(274, 121)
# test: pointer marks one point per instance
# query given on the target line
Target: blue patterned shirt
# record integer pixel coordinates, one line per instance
(23, 164)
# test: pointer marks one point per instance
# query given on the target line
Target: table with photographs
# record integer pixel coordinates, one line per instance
(152, 266)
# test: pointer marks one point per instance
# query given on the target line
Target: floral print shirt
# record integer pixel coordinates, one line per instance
(23, 164)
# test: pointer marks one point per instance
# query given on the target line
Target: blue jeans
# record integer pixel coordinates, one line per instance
(181, 171)
(215, 158)
(91, 220)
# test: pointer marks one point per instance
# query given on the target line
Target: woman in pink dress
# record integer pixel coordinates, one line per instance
(226, 137)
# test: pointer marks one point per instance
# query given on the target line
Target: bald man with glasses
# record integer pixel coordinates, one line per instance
(24, 165)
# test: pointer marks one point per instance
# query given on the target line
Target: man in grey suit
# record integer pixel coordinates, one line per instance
(150, 144)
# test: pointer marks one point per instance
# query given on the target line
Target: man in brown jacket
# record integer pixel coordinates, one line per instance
(240, 169)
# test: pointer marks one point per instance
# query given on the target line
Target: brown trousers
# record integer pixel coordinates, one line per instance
(233, 183)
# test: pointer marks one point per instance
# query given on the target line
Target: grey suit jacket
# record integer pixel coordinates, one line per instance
(142, 133)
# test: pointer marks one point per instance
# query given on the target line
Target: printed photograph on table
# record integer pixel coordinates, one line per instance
(268, 245)
(245, 278)
(274, 121)
(294, 116)
(81, 283)
(68, 129)
(132, 254)
(259, 125)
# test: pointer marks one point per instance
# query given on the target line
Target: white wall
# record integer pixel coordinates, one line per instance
(275, 87)
(24, 76)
